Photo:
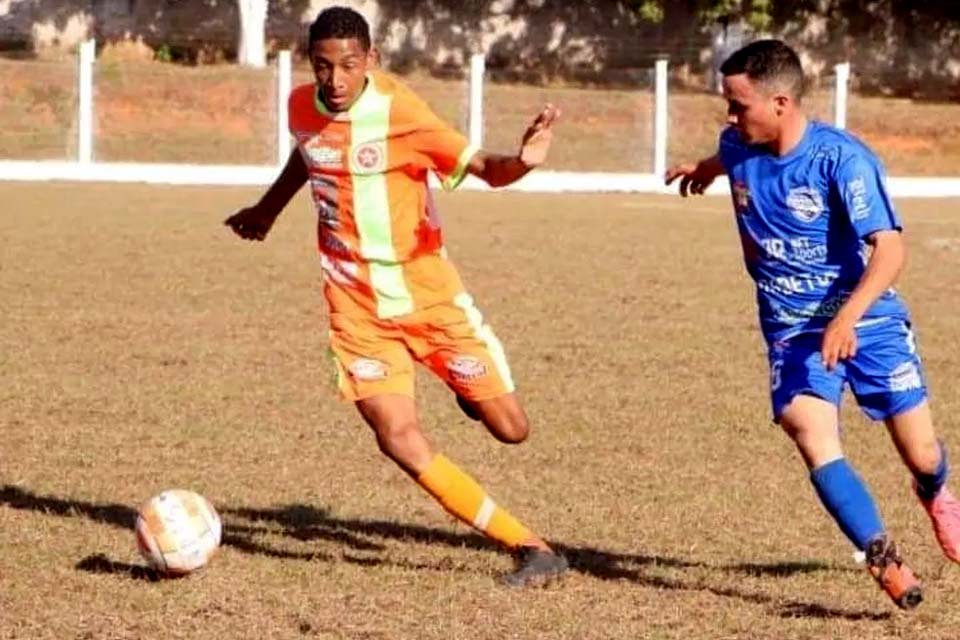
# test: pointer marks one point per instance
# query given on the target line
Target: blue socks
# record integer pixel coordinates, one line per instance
(929, 484)
(849, 502)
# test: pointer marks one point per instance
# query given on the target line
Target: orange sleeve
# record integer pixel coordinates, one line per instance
(299, 103)
(446, 150)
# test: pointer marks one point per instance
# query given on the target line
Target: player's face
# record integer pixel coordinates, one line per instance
(340, 68)
(751, 110)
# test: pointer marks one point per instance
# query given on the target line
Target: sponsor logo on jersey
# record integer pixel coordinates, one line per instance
(321, 154)
(825, 309)
(805, 203)
(466, 368)
(368, 369)
(857, 193)
(905, 377)
(800, 283)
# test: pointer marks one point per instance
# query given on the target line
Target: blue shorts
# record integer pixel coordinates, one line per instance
(885, 375)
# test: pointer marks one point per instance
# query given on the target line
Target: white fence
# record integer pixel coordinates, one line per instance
(86, 168)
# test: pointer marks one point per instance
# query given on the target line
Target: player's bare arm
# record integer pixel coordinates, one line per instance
(254, 223)
(696, 177)
(499, 170)
(886, 262)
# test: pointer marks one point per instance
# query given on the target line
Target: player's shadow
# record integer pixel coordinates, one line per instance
(304, 522)
(362, 542)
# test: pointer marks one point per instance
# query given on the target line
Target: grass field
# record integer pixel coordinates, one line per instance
(142, 348)
(152, 112)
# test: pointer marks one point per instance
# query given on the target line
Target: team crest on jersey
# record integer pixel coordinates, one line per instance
(805, 203)
(741, 197)
(369, 157)
(321, 154)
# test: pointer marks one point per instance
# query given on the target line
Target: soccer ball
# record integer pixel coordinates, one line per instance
(178, 531)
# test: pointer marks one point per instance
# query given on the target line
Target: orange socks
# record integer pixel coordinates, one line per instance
(464, 498)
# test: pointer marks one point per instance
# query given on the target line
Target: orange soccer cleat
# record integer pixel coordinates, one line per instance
(886, 566)
(944, 512)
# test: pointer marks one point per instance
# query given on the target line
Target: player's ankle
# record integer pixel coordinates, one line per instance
(534, 542)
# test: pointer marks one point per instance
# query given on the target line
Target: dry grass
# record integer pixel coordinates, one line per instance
(152, 112)
(144, 348)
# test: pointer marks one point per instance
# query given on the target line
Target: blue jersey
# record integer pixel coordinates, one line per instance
(803, 219)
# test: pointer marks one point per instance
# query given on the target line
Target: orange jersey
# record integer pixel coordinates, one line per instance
(378, 232)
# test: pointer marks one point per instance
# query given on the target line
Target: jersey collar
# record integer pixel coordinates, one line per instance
(801, 146)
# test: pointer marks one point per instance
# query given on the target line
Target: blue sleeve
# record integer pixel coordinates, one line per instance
(862, 187)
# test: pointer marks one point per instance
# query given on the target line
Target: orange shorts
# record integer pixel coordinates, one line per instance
(375, 356)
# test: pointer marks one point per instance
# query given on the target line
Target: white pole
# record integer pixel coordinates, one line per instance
(284, 72)
(660, 119)
(840, 94)
(85, 102)
(477, 69)
(253, 19)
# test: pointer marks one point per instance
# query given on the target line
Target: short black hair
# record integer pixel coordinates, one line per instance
(767, 62)
(340, 23)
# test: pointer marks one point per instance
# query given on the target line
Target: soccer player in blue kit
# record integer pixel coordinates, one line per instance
(823, 244)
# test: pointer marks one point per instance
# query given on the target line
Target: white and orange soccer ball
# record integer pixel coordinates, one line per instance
(178, 531)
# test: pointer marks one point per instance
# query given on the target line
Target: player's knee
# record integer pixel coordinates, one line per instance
(927, 456)
(808, 439)
(395, 437)
(798, 424)
(512, 429)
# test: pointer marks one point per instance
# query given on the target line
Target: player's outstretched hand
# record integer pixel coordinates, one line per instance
(694, 177)
(251, 223)
(536, 140)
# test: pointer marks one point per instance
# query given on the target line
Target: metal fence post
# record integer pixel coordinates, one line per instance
(660, 118)
(85, 101)
(840, 94)
(284, 73)
(475, 122)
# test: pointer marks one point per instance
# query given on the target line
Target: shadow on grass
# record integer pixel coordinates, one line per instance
(99, 563)
(243, 527)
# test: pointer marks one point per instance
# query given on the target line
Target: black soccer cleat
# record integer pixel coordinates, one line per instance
(536, 568)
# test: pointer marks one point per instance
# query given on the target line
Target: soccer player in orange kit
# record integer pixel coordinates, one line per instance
(366, 144)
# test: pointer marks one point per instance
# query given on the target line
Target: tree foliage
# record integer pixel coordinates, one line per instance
(763, 14)
(757, 13)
